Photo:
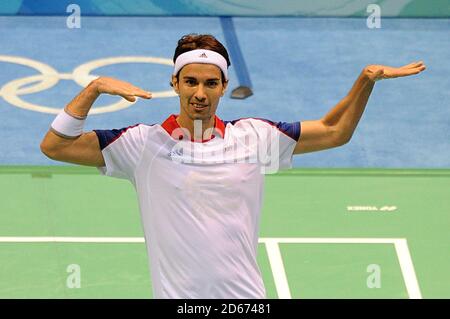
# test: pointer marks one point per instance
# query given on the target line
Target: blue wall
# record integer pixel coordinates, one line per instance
(322, 8)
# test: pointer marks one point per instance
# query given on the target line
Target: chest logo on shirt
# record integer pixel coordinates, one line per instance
(177, 152)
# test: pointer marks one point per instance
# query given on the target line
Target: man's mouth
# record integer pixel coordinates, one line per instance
(199, 106)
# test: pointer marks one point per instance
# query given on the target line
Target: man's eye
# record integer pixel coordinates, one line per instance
(212, 83)
(191, 82)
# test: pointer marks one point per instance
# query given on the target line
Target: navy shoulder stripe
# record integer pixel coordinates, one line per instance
(293, 130)
(106, 137)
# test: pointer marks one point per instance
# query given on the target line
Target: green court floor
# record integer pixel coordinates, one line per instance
(67, 232)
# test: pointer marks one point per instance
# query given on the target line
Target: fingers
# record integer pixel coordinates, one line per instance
(132, 97)
(411, 71)
(124, 89)
(418, 70)
(419, 67)
(144, 94)
(135, 91)
(413, 65)
(129, 98)
(132, 94)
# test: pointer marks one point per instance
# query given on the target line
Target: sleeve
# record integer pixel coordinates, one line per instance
(122, 150)
(277, 141)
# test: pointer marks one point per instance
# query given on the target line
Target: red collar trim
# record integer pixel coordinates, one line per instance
(173, 128)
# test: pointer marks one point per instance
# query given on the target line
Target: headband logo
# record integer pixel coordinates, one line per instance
(203, 55)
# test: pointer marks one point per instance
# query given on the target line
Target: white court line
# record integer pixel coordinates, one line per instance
(401, 248)
(409, 275)
(141, 240)
(331, 240)
(273, 251)
(276, 264)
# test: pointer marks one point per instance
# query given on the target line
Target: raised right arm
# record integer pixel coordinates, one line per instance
(85, 149)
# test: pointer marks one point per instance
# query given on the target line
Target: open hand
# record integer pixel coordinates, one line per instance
(380, 72)
(117, 87)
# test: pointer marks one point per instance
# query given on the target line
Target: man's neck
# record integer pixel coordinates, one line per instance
(197, 128)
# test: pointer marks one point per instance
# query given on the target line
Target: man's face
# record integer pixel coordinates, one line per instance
(200, 88)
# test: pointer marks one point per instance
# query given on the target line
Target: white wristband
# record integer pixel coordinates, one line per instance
(67, 126)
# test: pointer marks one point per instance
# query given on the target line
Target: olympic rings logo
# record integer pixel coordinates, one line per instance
(49, 77)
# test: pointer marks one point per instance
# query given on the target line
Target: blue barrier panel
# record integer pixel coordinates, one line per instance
(319, 8)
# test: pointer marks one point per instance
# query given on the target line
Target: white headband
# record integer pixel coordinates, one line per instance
(201, 56)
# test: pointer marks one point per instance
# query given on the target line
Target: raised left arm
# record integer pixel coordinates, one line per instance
(337, 126)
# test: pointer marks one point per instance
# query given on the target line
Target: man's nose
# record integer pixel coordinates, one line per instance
(200, 95)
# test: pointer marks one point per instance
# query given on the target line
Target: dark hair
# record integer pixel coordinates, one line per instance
(195, 41)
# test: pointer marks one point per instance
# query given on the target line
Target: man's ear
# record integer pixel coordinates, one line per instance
(225, 85)
(175, 84)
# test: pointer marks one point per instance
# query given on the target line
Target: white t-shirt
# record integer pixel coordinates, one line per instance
(200, 202)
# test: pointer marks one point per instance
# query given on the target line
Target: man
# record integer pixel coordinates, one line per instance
(199, 179)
